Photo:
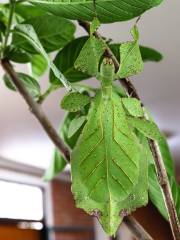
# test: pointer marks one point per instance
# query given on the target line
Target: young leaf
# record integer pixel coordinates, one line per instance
(27, 31)
(74, 101)
(65, 60)
(52, 36)
(38, 65)
(133, 106)
(75, 125)
(131, 61)
(90, 55)
(147, 128)
(107, 11)
(29, 82)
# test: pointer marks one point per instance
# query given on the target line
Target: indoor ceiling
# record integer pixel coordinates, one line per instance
(21, 136)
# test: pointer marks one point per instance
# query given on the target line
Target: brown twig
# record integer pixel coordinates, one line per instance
(39, 114)
(160, 168)
(36, 109)
(137, 230)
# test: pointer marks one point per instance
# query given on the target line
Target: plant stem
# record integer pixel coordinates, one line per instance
(36, 110)
(10, 20)
(40, 115)
(160, 168)
(43, 97)
(137, 230)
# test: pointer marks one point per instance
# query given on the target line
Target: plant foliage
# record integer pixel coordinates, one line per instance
(112, 167)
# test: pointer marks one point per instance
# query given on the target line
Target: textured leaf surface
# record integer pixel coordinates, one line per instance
(147, 128)
(130, 57)
(65, 60)
(90, 55)
(133, 106)
(27, 31)
(105, 162)
(147, 54)
(29, 82)
(74, 101)
(107, 10)
(53, 33)
(139, 194)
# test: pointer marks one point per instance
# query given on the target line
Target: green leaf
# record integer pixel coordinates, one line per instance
(156, 196)
(52, 36)
(28, 11)
(166, 154)
(71, 141)
(105, 162)
(107, 10)
(148, 128)
(155, 192)
(90, 55)
(17, 55)
(133, 107)
(57, 165)
(39, 65)
(74, 101)
(147, 54)
(130, 57)
(27, 32)
(75, 125)
(29, 82)
(65, 60)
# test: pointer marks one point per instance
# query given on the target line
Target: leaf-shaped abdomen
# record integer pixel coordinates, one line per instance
(105, 162)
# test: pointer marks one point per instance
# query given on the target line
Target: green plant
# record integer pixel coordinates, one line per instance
(118, 152)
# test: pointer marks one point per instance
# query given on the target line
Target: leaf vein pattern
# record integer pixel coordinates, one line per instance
(93, 171)
(117, 142)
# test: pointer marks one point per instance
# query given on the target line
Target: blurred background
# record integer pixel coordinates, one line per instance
(31, 209)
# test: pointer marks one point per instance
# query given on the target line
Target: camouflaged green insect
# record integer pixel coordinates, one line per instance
(109, 166)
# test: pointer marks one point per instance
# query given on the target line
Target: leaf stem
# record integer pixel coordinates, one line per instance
(160, 168)
(40, 115)
(10, 21)
(43, 97)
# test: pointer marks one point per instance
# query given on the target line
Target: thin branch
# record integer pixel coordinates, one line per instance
(160, 168)
(137, 230)
(36, 109)
(39, 114)
(10, 20)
